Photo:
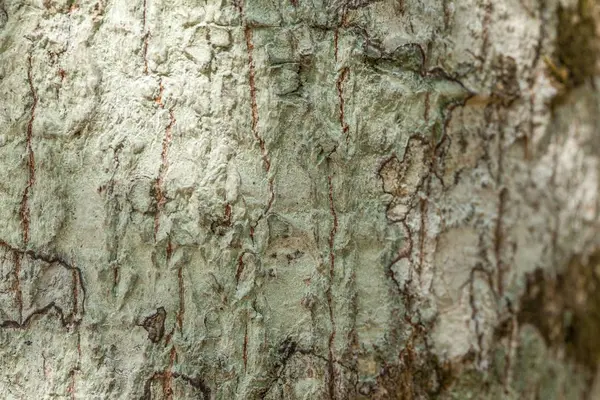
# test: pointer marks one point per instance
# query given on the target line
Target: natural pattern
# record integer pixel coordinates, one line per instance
(292, 199)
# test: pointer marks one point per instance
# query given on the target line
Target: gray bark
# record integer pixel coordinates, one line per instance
(294, 199)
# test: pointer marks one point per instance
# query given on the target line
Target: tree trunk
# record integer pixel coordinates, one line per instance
(299, 199)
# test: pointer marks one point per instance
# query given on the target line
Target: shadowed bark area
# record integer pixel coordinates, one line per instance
(291, 199)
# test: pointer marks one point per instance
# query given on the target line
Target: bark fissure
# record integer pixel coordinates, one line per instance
(254, 126)
(159, 190)
(145, 36)
(340, 91)
(329, 294)
(25, 211)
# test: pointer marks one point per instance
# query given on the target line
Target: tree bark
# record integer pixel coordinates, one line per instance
(294, 199)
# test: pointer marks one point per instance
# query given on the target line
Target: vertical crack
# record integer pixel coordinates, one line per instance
(181, 298)
(253, 102)
(168, 376)
(146, 37)
(248, 33)
(498, 240)
(72, 382)
(240, 268)
(24, 211)
(332, 233)
(339, 85)
(71, 387)
(245, 348)
(164, 165)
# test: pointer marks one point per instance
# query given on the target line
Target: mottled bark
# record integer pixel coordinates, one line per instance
(292, 199)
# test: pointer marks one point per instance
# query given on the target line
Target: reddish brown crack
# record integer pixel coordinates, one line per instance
(158, 99)
(71, 387)
(24, 211)
(115, 276)
(334, 228)
(254, 110)
(164, 165)
(240, 268)
(336, 37)
(146, 37)
(294, 3)
(498, 240)
(181, 311)
(339, 85)
(169, 336)
(168, 377)
(253, 102)
(332, 233)
(245, 348)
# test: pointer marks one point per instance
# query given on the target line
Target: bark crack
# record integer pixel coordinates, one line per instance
(329, 294)
(146, 36)
(24, 211)
(340, 91)
(499, 240)
(159, 190)
(248, 33)
(245, 347)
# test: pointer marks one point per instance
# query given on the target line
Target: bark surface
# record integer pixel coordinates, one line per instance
(299, 199)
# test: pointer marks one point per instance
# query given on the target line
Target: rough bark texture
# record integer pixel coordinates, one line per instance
(299, 199)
